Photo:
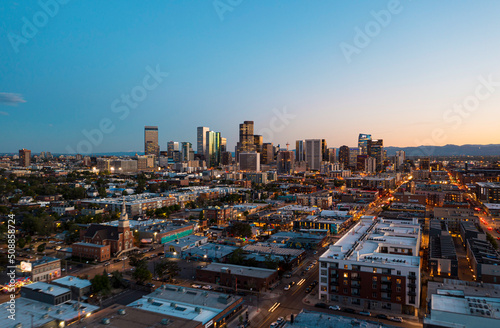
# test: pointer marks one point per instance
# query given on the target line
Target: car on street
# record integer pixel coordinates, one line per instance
(382, 316)
(280, 320)
(396, 319)
(274, 325)
(207, 287)
(196, 286)
(365, 313)
(349, 310)
(334, 307)
(106, 263)
(321, 305)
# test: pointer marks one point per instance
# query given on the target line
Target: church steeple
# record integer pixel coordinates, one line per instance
(123, 222)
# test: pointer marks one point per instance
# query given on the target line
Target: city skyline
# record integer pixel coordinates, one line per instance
(324, 77)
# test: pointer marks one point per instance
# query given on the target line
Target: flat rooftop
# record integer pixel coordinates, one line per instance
(186, 303)
(42, 313)
(239, 270)
(72, 281)
(123, 316)
(263, 249)
(45, 288)
(470, 306)
(309, 319)
(366, 237)
(44, 260)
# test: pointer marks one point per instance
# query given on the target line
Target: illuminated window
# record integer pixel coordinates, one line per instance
(345, 274)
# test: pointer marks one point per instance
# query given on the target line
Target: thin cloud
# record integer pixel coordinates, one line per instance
(11, 98)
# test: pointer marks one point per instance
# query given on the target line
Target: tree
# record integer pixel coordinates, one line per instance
(167, 268)
(21, 242)
(40, 248)
(142, 274)
(241, 229)
(101, 284)
(137, 260)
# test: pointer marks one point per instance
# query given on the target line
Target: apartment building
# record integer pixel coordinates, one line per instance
(375, 265)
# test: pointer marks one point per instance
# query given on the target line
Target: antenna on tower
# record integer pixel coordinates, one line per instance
(287, 144)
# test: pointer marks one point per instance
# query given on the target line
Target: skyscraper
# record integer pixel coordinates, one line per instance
(171, 147)
(201, 139)
(300, 152)
(247, 140)
(267, 155)
(24, 157)
(324, 151)
(151, 146)
(213, 151)
(376, 150)
(187, 153)
(363, 143)
(258, 142)
(286, 161)
(344, 156)
(314, 153)
(332, 155)
(400, 159)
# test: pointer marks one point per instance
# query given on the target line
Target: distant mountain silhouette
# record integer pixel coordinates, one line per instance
(448, 150)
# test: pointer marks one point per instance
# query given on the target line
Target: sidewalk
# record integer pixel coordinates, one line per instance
(311, 300)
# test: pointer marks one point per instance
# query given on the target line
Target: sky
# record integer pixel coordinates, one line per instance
(87, 76)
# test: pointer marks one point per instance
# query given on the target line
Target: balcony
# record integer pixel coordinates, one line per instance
(386, 288)
(355, 284)
(412, 285)
(386, 282)
(412, 294)
(356, 278)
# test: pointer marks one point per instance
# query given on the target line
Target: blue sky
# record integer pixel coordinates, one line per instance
(406, 84)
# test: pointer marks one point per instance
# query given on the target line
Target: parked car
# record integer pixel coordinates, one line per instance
(349, 310)
(196, 286)
(207, 287)
(280, 320)
(274, 325)
(321, 305)
(396, 319)
(334, 307)
(366, 313)
(382, 316)
(106, 263)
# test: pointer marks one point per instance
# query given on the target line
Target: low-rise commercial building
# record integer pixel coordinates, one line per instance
(237, 276)
(484, 261)
(45, 269)
(210, 308)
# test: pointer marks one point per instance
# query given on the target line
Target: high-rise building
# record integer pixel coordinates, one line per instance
(267, 155)
(286, 161)
(258, 142)
(300, 151)
(213, 152)
(400, 159)
(376, 150)
(247, 140)
(187, 153)
(314, 153)
(332, 155)
(344, 156)
(425, 163)
(201, 139)
(151, 146)
(24, 157)
(324, 151)
(353, 157)
(171, 147)
(227, 158)
(223, 144)
(363, 143)
(250, 161)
